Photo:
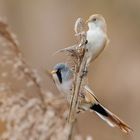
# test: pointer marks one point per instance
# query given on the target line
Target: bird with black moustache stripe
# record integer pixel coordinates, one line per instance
(63, 78)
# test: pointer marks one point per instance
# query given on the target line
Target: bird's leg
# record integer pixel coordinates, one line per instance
(78, 111)
(85, 71)
(83, 42)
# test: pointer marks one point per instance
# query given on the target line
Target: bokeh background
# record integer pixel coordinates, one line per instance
(44, 26)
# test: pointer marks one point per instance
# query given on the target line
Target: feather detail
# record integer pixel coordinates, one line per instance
(104, 113)
(111, 119)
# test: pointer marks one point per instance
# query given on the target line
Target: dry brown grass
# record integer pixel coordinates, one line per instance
(27, 111)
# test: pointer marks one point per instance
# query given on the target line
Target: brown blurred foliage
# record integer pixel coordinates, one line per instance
(46, 26)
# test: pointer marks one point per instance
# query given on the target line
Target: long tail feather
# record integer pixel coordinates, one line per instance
(110, 118)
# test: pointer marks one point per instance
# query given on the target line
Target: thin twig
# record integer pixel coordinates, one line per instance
(77, 87)
(80, 66)
(72, 125)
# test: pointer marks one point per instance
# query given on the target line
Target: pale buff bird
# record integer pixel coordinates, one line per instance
(97, 37)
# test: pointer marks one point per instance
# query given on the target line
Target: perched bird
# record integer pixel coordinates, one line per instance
(96, 36)
(94, 39)
(63, 78)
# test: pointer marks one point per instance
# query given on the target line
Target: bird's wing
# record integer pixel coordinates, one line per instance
(89, 95)
(107, 42)
(68, 49)
(87, 98)
(102, 112)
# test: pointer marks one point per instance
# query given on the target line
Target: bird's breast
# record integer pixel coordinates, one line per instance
(96, 38)
(66, 87)
(96, 41)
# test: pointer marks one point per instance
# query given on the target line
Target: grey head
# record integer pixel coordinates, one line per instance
(63, 72)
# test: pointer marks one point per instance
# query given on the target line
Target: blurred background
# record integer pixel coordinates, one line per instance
(44, 26)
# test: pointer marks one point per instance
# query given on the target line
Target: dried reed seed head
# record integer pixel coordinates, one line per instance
(79, 25)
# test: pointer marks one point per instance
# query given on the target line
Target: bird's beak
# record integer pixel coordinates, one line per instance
(53, 72)
(50, 73)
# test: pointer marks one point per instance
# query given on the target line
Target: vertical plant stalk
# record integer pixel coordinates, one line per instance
(77, 86)
(74, 101)
(80, 66)
(72, 125)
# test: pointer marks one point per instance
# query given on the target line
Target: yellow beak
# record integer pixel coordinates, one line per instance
(53, 72)
(50, 74)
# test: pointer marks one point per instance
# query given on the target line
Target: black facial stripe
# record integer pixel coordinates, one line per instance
(59, 75)
(99, 109)
(86, 42)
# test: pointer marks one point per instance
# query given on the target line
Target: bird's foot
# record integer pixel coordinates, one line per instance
(85, 72)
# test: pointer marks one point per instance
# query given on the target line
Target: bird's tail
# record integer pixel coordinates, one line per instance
(110, 118)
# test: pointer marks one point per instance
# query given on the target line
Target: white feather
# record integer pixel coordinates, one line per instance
(96, 41)
(107, 120)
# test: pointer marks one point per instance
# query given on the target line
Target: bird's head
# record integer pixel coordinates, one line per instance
(61, 73)
(95, 21)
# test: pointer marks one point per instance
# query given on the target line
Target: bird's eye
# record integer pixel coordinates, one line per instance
(94, 19)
